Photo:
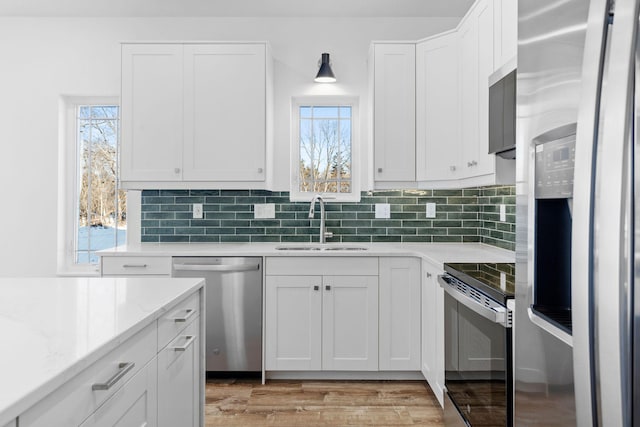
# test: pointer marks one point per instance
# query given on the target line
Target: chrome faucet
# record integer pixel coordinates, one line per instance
(323, 234)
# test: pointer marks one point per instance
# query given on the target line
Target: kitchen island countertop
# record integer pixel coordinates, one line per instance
(53, 328)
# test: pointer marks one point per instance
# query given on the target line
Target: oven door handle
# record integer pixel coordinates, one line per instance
(498, 314)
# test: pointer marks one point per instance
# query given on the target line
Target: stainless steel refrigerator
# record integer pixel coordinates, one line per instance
(576, 355)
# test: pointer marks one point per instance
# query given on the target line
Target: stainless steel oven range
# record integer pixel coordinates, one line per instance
(478, 343)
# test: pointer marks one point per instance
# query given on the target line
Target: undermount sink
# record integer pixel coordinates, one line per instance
(320, 248)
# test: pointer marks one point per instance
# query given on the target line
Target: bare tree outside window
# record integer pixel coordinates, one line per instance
(325, 149)
(101, 207)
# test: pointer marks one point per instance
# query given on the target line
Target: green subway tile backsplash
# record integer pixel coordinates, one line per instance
(464, 215)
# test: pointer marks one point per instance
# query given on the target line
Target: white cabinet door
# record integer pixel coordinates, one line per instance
(399, 314)
(224, 112)
(486, 162)
(179, 379)
(293, 323)
(476, 64)
(151, 112)
(437, 109)
(505, 34)
(433, 330)
(394, 111)
(134, 405)
(350, 323)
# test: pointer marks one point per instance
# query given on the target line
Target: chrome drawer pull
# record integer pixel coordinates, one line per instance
(123, 369)
(189, 313)
(190, 340)
(134, 266)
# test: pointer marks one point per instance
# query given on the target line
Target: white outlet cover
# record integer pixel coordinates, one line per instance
(264, 210)
(383, 210)
(197, 210)
(430, 210)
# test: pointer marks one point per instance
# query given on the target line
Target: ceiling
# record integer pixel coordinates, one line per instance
(235, 8)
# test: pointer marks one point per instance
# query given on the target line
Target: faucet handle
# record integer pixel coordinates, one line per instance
(328, 234)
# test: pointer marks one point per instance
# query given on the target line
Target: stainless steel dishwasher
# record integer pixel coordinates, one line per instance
(233, 309)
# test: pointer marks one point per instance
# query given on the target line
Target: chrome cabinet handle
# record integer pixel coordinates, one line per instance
(316, 288)
(379, 170)
(328, 287)
(176, 170)
(428, 275)
(134, 266)
(260, 170)
(472, 163)
(189, 313)
(190, 340)
(452, 168)
(123, 369)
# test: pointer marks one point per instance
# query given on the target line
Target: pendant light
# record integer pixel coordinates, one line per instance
(325, 74)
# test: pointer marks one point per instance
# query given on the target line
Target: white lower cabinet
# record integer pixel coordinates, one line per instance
(134, 405)
(432, 366)
(178, 380)
(317, 321)
(138, 383)
(322, 323)
(399, 314)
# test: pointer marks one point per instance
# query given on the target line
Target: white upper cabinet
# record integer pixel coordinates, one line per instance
(195, 115)
(437, 108)
(151, 112)
(224, 113)
(505, 33)
(394, 111)
(476, 64)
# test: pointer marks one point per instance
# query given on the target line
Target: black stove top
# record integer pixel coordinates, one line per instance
(497, 280)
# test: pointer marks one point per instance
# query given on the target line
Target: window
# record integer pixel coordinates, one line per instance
(93, 211)
(324, 147)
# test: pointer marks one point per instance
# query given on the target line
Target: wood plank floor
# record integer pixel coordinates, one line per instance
(321, 403)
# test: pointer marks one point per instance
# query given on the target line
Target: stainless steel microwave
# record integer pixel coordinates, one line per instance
(502, 112)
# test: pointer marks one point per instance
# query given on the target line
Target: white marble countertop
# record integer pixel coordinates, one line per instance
(53, 328)
(437, 253)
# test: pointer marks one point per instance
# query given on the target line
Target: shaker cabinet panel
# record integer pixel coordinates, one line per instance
(350, 323)
(394, 111)
(225, 112)
(151, 112)
(293, 323)
(433, 329)
(194, 113)
(437, 109)
(399, 314)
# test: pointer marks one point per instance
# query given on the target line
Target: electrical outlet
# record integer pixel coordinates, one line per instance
(430, 209)
(197, 210)
(503, 213)
(264, 210)
(383, 210)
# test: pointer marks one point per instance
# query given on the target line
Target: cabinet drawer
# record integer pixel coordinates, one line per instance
(74, 401)
(306, 266)
(177, 318)
(179, 379)
(136, 266)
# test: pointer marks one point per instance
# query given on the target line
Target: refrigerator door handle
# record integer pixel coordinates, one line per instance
(614, 249)
(583, 208)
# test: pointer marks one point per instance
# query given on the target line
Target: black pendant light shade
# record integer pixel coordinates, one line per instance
(325, 73)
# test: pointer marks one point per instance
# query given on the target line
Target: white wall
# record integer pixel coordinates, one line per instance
(44, 58)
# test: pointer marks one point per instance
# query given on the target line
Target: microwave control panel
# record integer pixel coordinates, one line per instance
(554, 168)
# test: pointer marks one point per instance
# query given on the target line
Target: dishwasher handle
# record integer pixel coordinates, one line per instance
(227, 268)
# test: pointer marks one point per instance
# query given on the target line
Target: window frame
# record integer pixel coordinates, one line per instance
(68, 182)
(295, 195)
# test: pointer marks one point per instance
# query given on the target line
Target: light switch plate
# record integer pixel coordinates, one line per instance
(430, 210)
(383, 210)
(264, 210)
(503, 213)
(197, 210)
